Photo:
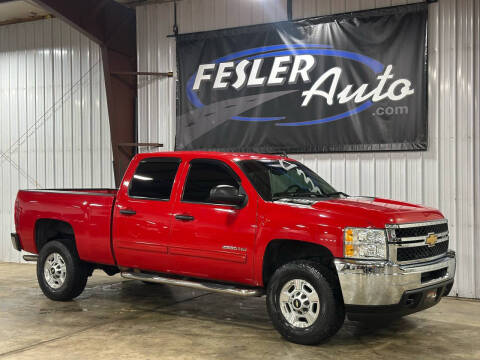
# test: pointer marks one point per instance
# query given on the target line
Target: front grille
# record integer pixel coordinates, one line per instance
(421, 252)
(421, 230)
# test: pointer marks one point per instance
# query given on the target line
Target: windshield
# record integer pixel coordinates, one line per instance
(276, 179)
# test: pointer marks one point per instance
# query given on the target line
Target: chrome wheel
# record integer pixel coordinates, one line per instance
(55, 270)
(299, 303)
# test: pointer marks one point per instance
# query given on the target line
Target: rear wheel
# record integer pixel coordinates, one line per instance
(305, 303)
(61, 274)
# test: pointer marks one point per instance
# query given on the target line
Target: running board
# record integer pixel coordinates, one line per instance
(220, 288)
(30, 257)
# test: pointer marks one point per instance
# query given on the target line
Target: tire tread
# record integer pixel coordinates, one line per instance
(77, 271)
(331, 322)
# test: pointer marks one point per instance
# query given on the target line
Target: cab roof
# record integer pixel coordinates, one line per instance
(232, 156)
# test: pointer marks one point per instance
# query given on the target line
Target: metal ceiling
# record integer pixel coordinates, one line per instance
(15, 11)
(20, 11)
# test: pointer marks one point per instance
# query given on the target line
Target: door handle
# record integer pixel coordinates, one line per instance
(184, 217)
(127, 212)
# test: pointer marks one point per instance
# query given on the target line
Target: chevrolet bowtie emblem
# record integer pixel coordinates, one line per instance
(431, 240)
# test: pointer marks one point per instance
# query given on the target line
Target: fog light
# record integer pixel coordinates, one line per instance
(431, 295)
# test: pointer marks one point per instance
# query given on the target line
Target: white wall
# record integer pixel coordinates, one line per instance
(445, 177)
(54, 130)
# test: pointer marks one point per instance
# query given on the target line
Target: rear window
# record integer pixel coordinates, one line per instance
(154, 178)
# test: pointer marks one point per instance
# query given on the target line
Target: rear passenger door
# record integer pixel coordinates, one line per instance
(211, 240)
(143, 215)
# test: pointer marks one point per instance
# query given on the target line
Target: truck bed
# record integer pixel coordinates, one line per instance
(87, 211)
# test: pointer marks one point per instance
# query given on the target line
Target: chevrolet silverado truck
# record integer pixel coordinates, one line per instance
(243, 224)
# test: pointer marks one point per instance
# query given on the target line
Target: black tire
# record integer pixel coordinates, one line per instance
(330, 311)
(76, 274)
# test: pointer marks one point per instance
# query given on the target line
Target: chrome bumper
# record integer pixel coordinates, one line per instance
(384, 283)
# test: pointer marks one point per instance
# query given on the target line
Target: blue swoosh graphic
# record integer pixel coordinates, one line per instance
(371, 63)
(292, 49)
(267, 48)
(358, 109)
(191, 95)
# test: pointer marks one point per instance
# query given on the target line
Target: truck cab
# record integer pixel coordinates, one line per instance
(244, 224)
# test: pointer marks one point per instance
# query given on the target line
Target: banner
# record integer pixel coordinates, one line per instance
(349, 82)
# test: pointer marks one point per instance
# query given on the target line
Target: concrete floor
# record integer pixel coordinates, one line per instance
(115, 319)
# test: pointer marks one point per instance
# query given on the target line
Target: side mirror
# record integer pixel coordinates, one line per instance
(226, 194)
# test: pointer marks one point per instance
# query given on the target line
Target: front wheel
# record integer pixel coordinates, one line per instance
(304, 302)
(61, 274)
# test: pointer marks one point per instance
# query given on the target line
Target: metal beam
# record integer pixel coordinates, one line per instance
(113, 27)
(143, 73)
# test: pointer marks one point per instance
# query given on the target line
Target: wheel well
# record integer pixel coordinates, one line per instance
(49, 229)
(280, 252)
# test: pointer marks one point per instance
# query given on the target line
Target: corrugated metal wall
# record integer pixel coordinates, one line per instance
(54, 130)
(447, 176)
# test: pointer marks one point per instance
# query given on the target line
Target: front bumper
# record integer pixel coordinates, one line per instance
(411, 302)
(377, 283)
(16, 242)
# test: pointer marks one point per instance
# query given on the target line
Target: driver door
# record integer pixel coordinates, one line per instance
(209, 240)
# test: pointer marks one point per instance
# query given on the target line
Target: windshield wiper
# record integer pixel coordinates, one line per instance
(336, 193)
(280, 195)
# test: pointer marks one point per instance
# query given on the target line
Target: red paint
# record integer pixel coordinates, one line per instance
(221, 243)
(89, 216)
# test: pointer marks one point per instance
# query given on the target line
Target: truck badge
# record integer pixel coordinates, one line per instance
(431, 240)
(228, 247)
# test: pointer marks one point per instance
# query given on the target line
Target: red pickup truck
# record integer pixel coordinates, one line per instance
(245, 224)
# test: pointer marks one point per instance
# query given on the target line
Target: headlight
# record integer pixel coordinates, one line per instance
(362, 243)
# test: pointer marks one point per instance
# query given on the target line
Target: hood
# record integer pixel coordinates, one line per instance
(369, 211)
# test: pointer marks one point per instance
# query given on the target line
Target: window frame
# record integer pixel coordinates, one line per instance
(155, 159)
(229, 170)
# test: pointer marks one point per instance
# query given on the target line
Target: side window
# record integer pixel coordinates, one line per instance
(154, 178)
(203, 176)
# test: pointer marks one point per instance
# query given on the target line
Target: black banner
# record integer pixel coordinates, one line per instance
(350, 82)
